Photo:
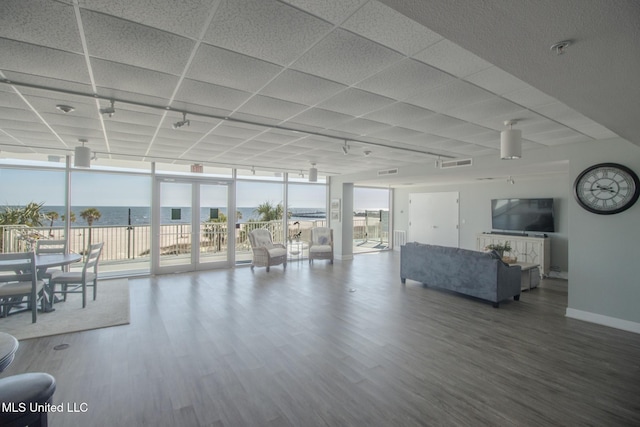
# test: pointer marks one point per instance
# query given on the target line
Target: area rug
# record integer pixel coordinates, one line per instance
(111, 308)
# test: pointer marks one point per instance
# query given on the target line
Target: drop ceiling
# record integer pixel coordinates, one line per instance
(277, 85)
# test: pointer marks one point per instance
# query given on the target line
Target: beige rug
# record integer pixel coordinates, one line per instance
(110, 308)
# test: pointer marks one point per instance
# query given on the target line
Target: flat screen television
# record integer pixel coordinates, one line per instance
(522, 215)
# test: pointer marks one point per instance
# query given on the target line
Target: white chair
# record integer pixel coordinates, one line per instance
(76, 282)
(19, 280)
(265, 252)
(321, 245)
(44, 246)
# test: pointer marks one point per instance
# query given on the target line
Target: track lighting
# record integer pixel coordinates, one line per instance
(367, 153)
(438, 162)
(345, 148)
(109, 110)
(301, 174)
(183, 122)
(253, 170)
(510, 180)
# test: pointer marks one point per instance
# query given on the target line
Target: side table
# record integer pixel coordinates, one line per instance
(295, 250)
(530, 275)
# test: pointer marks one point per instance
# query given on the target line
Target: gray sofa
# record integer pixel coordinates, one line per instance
(478, 274)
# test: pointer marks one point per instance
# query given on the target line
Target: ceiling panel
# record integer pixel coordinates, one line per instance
(265, 29)
(346, 58)
(405, 79)
(22, 20)
(451, 58)
(123, 41)
(384, 25)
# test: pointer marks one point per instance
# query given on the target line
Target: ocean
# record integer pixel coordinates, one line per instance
(119, 215)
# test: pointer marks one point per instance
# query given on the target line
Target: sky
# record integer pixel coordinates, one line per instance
(20, 186)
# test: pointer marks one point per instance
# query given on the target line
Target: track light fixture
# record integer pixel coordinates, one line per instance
(253, 170)
(109, 110)
(345, 148)
(367, 153)
(183, 122)
(510, 180)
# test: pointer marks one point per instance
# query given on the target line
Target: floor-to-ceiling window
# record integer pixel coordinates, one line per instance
(260, 203)
(308, 208)
(371, 219)
(114, 208)
(32, 205)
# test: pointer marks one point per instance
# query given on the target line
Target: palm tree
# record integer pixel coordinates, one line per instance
(51, 216)
(269, 212)
(72, 216)
(29, 215)
(90, 215)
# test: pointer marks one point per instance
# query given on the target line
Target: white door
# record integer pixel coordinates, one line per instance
(433, 218)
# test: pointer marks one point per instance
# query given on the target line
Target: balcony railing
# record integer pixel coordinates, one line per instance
(129, 243)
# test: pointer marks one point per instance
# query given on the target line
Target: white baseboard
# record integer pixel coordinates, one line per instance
(600, 319)
(343, 257)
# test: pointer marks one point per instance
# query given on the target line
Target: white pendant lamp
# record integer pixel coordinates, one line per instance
(313, 173)
(82, 157)
(510, 142)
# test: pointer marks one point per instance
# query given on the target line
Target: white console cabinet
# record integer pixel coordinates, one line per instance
(536, 250)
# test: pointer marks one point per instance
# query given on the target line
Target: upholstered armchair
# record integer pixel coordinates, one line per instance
(265, 252)
(321, 245)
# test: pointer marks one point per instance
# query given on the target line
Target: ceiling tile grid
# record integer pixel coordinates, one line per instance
(352, 70)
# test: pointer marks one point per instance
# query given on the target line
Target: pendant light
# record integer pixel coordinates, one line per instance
(313, 173)
(82, 157)
(510, 142)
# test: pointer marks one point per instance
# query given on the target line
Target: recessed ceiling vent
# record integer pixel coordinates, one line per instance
(455, 163)
(386, 172)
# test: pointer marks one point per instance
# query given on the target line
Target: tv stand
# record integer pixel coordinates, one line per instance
(536, 250)
(510, 233)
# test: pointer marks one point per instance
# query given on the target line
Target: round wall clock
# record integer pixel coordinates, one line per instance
(607, 188)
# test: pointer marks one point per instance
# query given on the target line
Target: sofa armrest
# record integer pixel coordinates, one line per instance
(509, 279)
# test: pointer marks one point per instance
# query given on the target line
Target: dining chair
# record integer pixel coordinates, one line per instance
(321, 244)
(44, 246)
(265, 252)
(76, 282)
(19, 282)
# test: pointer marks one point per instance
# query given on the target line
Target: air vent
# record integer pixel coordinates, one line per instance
(393, 171)
(455, 163)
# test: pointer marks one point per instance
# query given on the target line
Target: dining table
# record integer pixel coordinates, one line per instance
(44, 262)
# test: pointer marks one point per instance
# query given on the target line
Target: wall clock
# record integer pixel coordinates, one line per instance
(607, 188)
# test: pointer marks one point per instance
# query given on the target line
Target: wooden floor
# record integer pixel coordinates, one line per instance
(339, 345)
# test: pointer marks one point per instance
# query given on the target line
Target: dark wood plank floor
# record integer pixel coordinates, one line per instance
(339, 345)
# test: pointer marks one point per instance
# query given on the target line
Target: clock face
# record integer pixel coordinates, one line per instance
(607, 188)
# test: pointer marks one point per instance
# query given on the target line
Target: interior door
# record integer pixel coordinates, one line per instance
(434, 218)
(192, 228)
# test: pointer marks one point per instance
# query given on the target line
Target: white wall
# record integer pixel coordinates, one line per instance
(475, 208)
(604, 285)
(599, 252)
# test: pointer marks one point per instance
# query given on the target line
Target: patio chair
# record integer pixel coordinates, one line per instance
(19, 281)
(265, 252)
(321, 245)
(76, 282)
